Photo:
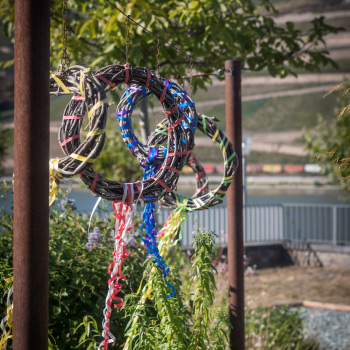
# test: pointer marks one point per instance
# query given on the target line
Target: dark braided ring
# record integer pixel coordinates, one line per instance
(88, 94)
(128, 102)
(132, 97)
(202, 182)
(208, 126)
(178, 151)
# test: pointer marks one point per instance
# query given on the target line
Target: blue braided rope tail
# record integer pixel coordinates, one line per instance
(149, 225)
(150, 243)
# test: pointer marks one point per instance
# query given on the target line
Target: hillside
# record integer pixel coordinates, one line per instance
(275, 111)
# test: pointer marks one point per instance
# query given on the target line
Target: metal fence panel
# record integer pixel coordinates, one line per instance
(274, 223)
(263, 223)
(343, 224)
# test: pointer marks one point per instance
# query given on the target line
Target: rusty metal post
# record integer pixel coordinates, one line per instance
(31, 177)
(235, 206)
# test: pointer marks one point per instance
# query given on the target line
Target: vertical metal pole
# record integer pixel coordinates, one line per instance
(144, 125)
(235, 207)
(334, 224)
(244, 180)
(31, 177)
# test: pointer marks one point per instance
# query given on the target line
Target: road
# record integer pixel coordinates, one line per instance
(263, 180)
(309, 16)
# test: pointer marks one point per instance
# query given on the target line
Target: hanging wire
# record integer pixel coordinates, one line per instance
(65, 61)
(191, 76)
(155, 35)
(127, 39)
(219, 74)
(158, 56)
(171, 45)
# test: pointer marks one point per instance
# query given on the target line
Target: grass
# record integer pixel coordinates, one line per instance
(57, 105)
(218, 91)
(275, 158)
(280, 113)
(323, 284)
(285, 113)
(274, 114)
(272, 286)
(210, 154)
(6, 114)
(336, 22)
(286, 6)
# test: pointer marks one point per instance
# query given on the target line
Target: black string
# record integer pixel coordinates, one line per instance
(155, 35)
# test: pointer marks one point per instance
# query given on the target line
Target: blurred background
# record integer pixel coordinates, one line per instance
(297, 209)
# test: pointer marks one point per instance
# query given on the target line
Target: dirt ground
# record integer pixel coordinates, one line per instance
(268, 287)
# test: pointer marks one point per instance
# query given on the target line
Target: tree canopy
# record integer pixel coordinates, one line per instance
(210, 30)
(329, 145)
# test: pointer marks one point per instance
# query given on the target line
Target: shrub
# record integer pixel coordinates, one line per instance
(276, 328)
(78, 276)
(147, 320)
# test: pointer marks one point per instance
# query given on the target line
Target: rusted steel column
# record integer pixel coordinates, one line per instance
(31, 178)
(235, 206)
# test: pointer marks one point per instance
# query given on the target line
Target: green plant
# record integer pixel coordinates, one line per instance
(276, 328)
(188, 320)
(245, 30)
(204, 286)
(329, 144)
(5, 141)
(78, 277)
(115, 161)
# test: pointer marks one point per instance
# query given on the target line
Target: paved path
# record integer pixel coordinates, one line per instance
(308, 78)
(309, 16)
(276, 142)
(263, 180)
(322, 89)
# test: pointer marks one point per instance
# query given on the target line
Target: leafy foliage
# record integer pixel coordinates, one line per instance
(78, 277)
(329, 144)
(276, 328)
(187, 320)
(115, 161)
(204, 285)
(231, 29)
(78, 284)
(5, 140)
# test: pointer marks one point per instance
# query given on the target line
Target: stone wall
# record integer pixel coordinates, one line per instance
(263, 255)
(320, 255)
(267, 255)
(301, 253)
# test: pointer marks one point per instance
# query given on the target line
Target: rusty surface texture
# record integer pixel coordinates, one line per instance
(31, 178)
(235, 206)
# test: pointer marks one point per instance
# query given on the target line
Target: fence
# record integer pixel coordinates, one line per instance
(320, 223)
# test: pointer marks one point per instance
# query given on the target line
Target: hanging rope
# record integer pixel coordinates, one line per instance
(124, 224)
(155, 35)
(65, 61)
(127, 41)
(158, 57)
(191, 75)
